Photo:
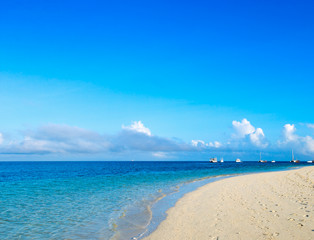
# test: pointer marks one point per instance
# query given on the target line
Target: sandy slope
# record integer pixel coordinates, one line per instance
(274, 205)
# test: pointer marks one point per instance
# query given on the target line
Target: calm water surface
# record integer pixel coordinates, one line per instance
(97, 200)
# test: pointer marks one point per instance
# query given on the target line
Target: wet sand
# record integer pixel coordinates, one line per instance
(272, 205)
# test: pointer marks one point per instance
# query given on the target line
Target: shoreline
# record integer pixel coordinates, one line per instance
(244, 207)
(139, 224)
(158, 209)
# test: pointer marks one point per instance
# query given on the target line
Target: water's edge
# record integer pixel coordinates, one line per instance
(160, 207)
(99, 200)
(156, 210)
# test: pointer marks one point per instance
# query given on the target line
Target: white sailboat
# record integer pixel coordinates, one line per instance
(294, 160)
(221, 160)
(260, 158)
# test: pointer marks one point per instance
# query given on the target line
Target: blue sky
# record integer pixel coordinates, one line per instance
(185, 70)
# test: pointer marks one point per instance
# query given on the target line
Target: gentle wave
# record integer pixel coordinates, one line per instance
(99, 200)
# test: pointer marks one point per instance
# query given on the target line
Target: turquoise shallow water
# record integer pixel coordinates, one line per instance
(99, 200)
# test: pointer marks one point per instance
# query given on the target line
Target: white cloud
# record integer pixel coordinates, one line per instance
(138, 127)
(215, 144)
(257, 138)
(245, 136)
(305, 145)
(245, 129)
(242, 128)
(53, 138)
(202, 144)
(289, 133)
(136, 138)
(30, 144)
(66, 139)
(198, 143)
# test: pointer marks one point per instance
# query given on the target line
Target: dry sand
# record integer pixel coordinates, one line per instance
(273, 205)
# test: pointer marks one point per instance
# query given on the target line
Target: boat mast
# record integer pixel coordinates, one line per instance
(260, 156)
(292, 155)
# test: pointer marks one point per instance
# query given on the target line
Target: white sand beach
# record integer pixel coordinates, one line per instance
(272, 205)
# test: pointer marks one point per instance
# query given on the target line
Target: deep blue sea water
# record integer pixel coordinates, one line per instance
(100, 200)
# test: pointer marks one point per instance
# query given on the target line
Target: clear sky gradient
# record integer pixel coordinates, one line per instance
(185, 69)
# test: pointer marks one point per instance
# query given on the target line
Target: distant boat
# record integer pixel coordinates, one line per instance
(221, 160)
(213, 160)
(238, 160)
(294, 160)
(260, 158)
(310, 161)
(273, 161)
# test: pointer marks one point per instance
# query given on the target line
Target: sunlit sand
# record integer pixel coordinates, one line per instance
(273, 205)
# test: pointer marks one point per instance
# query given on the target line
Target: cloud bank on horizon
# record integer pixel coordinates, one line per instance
(136, 138)
(64, 139)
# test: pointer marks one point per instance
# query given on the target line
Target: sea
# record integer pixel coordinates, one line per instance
(102, 200)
